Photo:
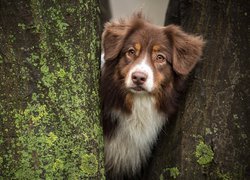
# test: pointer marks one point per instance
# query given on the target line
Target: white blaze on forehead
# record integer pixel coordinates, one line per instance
(144, 67)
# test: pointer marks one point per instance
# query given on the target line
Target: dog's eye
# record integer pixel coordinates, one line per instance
(160, 58)
(131, 52)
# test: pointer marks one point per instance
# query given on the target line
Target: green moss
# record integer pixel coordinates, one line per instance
(22, 26)
(208, 131)
(55, 116)
(223, 176)
(58, 165)
(1, 160)
(51, 138)
(89, 164)
(173, 172)
(204, 154)
(161, 177)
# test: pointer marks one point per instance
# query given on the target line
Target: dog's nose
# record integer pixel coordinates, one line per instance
(139, 78)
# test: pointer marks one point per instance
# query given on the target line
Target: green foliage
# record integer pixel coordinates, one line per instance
(50, 107)
(204, 153)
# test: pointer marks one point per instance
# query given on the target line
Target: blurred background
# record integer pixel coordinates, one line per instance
(154, 11)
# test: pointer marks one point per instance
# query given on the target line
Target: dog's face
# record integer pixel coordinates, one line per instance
(145, 60)
(147, 56)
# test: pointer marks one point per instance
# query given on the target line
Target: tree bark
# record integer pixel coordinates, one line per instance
(209, 138)
(49, 83)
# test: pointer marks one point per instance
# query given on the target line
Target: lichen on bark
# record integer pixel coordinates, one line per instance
(49, 74)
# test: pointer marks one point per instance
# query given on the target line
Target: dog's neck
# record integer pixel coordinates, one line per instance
(135, 134)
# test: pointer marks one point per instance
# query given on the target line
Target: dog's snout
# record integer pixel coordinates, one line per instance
(139, 78)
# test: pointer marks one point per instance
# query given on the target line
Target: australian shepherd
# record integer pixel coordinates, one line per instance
(144, 69)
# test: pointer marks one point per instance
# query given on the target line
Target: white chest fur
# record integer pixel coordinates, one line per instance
(135, 136)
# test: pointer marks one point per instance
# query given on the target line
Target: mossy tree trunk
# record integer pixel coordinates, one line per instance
(209, 138)
(49, 79)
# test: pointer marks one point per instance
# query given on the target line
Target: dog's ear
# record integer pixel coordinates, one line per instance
(186, 49)
(113, 38)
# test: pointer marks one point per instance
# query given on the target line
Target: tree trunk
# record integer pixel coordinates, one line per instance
(209, 138)
(49, 83)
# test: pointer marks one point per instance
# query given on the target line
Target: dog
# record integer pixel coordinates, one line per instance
(145, 67)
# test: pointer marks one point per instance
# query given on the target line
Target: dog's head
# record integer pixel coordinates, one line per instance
(146, 57)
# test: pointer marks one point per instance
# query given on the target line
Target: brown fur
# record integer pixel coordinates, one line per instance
(182, 54)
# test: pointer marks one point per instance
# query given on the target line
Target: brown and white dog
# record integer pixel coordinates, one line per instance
(144, 69)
